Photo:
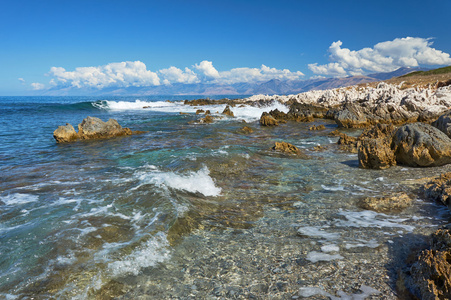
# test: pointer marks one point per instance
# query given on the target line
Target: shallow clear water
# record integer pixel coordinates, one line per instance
(192, 211)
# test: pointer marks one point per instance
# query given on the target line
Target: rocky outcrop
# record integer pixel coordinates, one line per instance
(91, 128)
(347, 143)
(374, 147)
(267, 120)
(358, 107)
(227, 111)
(394, 203)
(286, 148)
(65, 134)
(318, 127)
(439, 189)
(421, 145)
(443, 123)
(431, 272)
(375, 154)
(246, 130)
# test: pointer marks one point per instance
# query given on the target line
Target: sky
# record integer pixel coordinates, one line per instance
(56, 45)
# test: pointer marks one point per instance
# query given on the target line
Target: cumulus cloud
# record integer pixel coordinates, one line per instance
(206, 68)
(21, 80)
(383, 57)
(37, 86)
(122, 74)
(126, 74)
(176, 75)
(252, 75)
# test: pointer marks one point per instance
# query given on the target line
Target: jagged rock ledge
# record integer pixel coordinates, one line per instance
(360, 107)
(91, 128)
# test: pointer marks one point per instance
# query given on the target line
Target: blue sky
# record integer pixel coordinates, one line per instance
(97, 44)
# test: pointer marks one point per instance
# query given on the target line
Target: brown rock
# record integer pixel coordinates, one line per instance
(319, 127)
(421, 145)
(431, 273)
(94, 128)
(65, 134)
(91, 128)
(393, 203)
(443, 123)
(267, 120)
(375, 154)
(246, 130)
(207, 120)
(286, 148)
(439, 189)
(199, 111)
(347, 143)
(379, 131)
(227, 111)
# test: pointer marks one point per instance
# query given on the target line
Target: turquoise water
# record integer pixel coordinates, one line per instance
(108, 218)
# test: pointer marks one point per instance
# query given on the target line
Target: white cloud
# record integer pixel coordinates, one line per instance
(21, 80)
(37, 86)
(252, 75)
(126, 74)
(383, 57)
(207, 69)
(176, 75)
(122, 74)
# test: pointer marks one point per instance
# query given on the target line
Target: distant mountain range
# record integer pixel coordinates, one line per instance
(270, 87)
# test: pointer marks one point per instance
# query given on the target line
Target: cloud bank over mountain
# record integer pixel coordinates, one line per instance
(383, 57)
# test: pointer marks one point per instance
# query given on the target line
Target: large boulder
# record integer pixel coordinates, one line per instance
(95, 128)
(351, 116)
(421, 145)
(91, 128)
(65, 134)
(443, 123)
(375, 154)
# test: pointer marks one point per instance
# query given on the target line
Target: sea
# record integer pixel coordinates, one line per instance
(196, 211)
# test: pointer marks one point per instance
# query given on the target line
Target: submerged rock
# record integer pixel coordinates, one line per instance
(393, 203)
(319, 127)
(421, 145)
(246, 130)
(91, 128)
(286, 148)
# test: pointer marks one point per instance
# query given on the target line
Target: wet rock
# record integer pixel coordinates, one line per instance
(301, 111)
(347, 143)
(286, 148)
(443, 83)
(431, 273)
(246, 130)
(421, 145)
(267, 120)
(65, 134)
(394, 203)
(319, 127)
(206, 120)
(375, 154)
(91, 128)
(379, 131)
(443, 123)
(439, 189)
(227, 111)
(199, 111)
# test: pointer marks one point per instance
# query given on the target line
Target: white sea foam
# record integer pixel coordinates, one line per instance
(154, 251)
(370, 244)
(251, 113)
(136, 105)
(313, 291)
(333, 188)
(195, 182)
(318, 232)
(330, 248)
(319, 256)
(18, 199)
(369, 218)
